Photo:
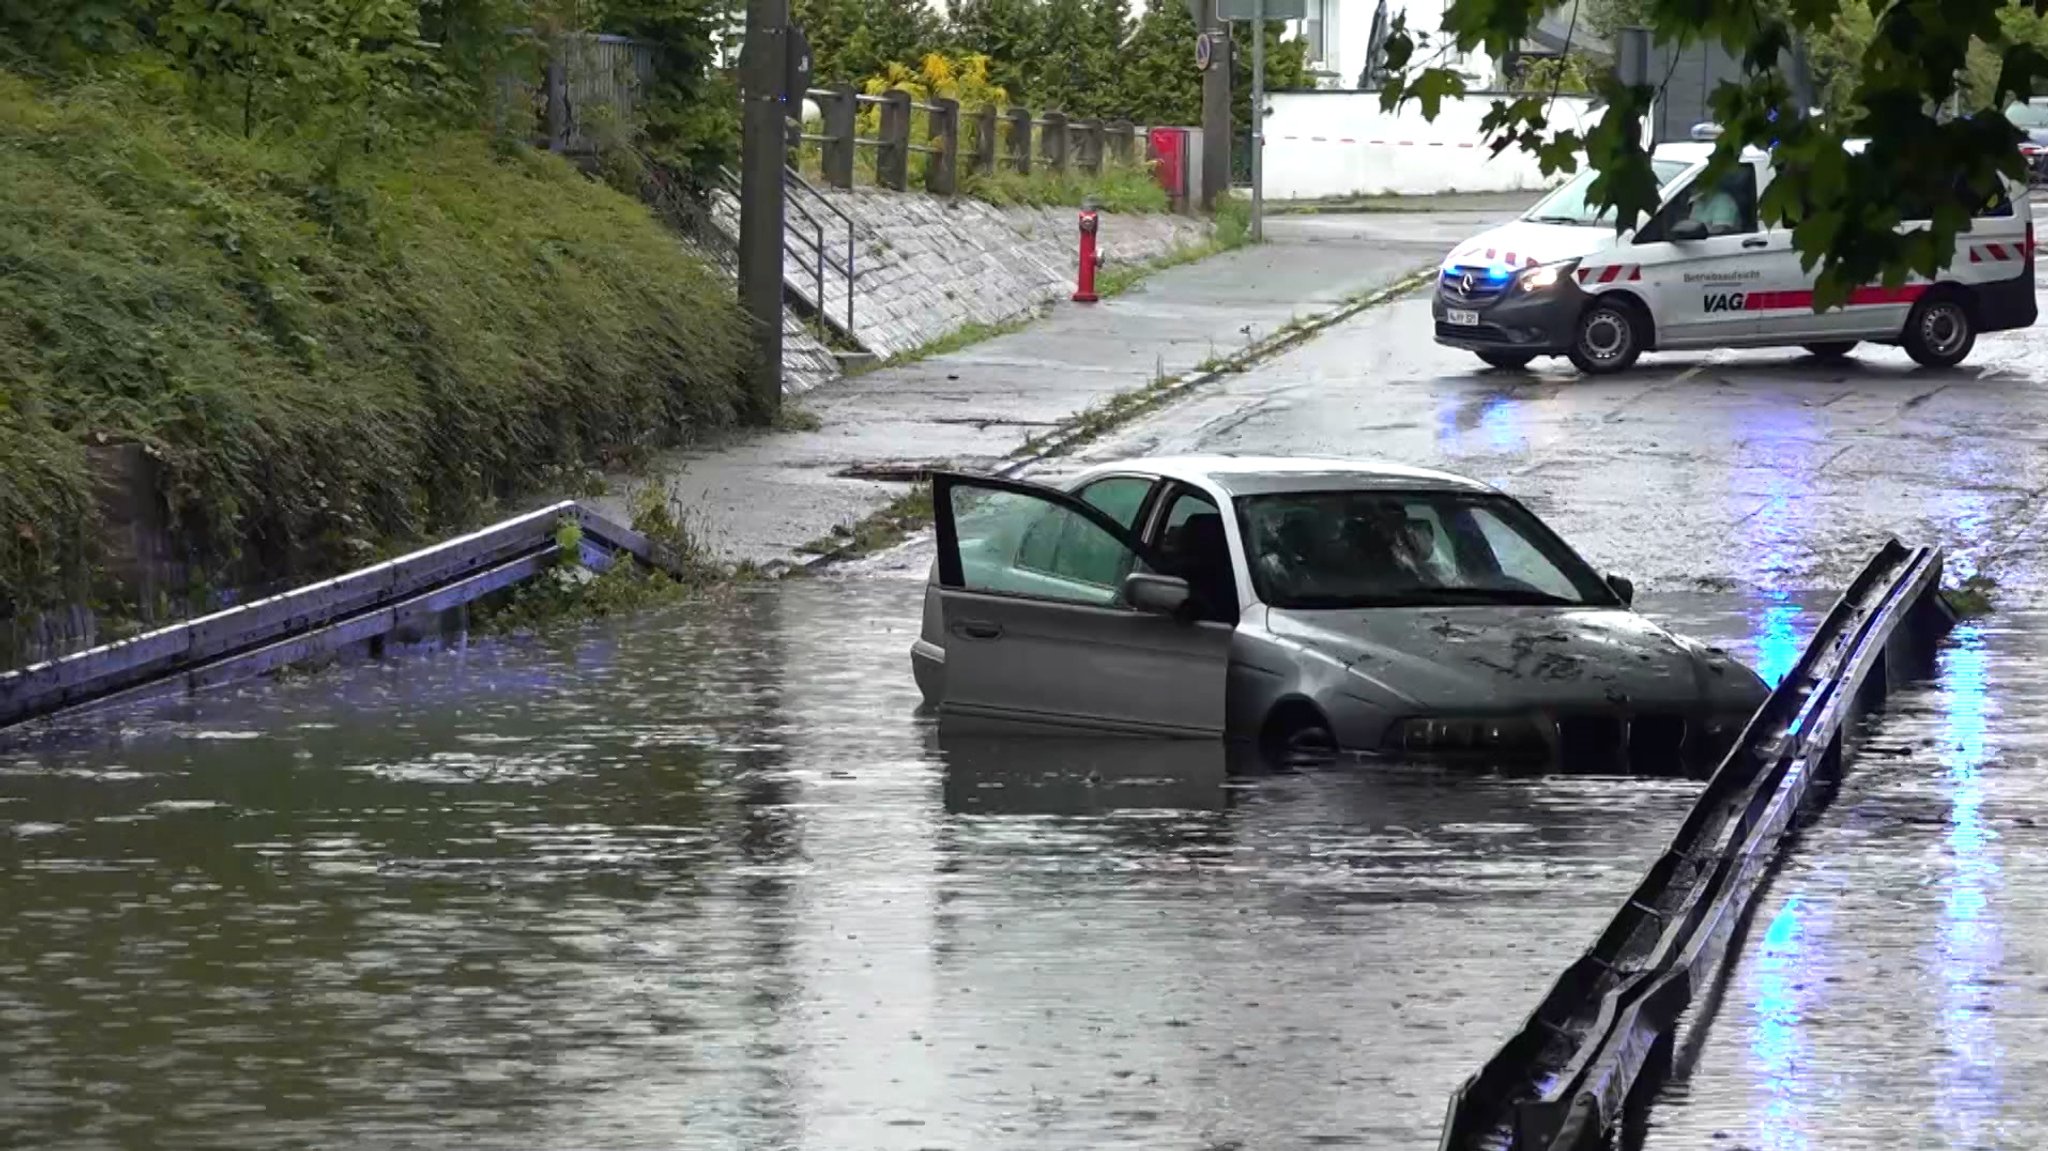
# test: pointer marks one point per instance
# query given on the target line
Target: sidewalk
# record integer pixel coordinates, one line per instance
(761, 497)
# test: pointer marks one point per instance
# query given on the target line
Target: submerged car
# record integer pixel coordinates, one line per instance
(1307, 604)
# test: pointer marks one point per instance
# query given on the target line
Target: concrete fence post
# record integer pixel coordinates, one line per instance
(840, 113)
(1123, 139)
(1052, 141)
(1020, 140)
(941, 171)
(985, 140)
(892, 158)
(1091, 146)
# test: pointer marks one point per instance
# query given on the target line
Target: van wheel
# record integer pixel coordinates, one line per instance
(1831, 351)
(1941, 331)
(1506, 361)
(1609, 337)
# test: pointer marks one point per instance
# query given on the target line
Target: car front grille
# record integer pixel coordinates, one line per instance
(1485, 286)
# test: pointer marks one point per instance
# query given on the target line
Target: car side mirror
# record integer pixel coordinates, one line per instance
(1686, 231)
(1156, 594)
(1624, 588)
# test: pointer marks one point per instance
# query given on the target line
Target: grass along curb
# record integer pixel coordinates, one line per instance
(912, 512)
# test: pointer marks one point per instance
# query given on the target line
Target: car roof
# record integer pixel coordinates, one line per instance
(1260, 475)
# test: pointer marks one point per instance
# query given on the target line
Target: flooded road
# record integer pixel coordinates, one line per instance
(1892, 988)
(705, 880)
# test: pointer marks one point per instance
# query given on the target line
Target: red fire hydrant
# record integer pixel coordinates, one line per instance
(1084, 292)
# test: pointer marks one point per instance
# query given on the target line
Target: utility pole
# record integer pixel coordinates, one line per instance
(1258, 120)
(1215, 104)
(764, 71)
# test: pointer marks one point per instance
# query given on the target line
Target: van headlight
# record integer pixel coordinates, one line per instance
(1544, 275)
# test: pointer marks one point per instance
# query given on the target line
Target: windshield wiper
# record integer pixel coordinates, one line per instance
(1572, 220)
(1499, 595)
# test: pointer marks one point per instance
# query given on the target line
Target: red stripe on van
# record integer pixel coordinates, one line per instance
(1608, 274)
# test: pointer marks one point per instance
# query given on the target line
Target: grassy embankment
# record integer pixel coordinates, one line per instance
(328, 360)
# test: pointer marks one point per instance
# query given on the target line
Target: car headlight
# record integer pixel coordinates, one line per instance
(1495, 735)
(1544, 275)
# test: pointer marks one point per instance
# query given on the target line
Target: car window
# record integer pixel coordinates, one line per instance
(1027, 545)
(1384, 549)
(1193, 544)
(1727, 206)
(1518, 559)
(1118, 496)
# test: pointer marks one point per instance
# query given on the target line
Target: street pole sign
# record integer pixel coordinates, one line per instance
(1258, 12)
(1205, 51)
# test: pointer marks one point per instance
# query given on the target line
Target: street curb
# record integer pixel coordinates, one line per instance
(1118, 410)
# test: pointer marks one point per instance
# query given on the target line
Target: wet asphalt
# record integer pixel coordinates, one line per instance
(704, 879)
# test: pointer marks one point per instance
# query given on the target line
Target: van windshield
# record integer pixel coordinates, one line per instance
(1568, 204)
(2028, 116)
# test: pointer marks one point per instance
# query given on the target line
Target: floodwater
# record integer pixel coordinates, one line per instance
(1892, 986)
(702, 879)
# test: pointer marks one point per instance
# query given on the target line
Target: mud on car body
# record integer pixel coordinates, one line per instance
(1703, 272)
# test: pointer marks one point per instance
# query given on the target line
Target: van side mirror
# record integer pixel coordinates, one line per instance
(1156, 594)
(1624, 588)
(1686, 231)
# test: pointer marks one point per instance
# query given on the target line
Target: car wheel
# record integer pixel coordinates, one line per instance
(1831, 351)
(1940, 332)
(1506, 361)
(1297, 731)
(1609, 337)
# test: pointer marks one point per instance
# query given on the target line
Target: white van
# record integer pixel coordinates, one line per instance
(1703, 272)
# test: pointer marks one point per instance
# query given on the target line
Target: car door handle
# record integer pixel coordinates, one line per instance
(1756, 242)
(978, 629)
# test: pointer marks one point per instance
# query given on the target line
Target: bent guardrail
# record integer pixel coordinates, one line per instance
(1564, 1080)
(269, 633)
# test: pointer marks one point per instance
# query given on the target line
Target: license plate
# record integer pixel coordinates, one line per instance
(1461, 316)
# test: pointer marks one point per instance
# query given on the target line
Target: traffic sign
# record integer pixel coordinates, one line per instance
(1205, 51)
(1274, 9)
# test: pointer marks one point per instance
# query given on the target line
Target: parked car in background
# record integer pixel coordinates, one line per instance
(1306, 604)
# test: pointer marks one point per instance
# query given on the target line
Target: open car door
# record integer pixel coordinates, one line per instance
(1056, 620)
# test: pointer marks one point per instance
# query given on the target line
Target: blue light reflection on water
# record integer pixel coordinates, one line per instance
(1783, 986)
(1773, 534)
(1968, 1081)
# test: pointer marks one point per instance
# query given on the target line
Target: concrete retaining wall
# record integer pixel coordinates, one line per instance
(926, 266)
(1322, 145)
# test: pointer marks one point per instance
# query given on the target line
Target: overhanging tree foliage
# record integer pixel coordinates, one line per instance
(1897, 86)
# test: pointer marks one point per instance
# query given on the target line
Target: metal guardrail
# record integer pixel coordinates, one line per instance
(363, 605)
(805, 240)
(1598, 1043)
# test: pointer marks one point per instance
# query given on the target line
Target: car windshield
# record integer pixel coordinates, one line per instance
(1568, 204)
(2028, 116)
(1361, 549)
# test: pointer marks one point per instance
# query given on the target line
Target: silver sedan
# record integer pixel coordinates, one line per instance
(1306, 604)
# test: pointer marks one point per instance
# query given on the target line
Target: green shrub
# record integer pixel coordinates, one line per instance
(327, 358)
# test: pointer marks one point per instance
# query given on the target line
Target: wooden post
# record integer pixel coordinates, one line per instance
(764, 121)
(941, 169)
(1020, 140)
(892, 158)
(839, 112)
(557, 81)
(1052, 142)
(985, 140)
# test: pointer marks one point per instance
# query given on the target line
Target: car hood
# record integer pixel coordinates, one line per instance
(1521, 244)
(1478, 659)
